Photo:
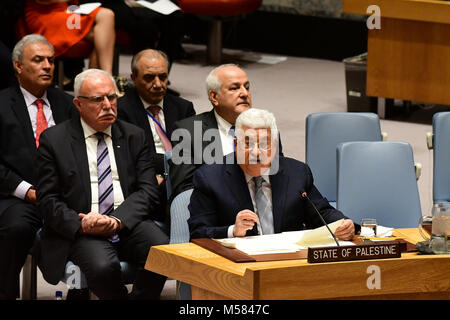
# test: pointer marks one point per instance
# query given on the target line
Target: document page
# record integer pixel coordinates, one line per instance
(85, 8)
(285, 242)
(165, 7)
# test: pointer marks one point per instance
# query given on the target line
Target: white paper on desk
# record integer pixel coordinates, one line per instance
(381, 232)
(285, 242)
(319, 236)
(161, 6)
(265, 244)
(85, 8)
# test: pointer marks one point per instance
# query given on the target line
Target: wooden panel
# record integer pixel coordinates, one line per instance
(409, 60)
(214, 277)
(202, 294)
(349, 279)
(164, 260)
(420, 10)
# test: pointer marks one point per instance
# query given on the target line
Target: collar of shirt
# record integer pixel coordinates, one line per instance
(223, 125)
(88, 131)
(266, 178)
(30, 99)
(146, 104)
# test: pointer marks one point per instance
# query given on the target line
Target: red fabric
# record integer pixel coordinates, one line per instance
(41, 121)
(221, 8)
(51, 22)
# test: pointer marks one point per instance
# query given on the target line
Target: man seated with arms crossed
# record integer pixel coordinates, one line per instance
(256, 191)
(97, 192)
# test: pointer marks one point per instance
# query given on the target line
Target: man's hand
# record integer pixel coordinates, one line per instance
(245, 220)
(98, 224)
(346, 231)
(30, 196)
(159, 179)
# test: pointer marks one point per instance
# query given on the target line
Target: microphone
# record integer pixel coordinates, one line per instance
(304, 195)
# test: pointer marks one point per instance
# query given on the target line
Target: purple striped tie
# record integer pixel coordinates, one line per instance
(105, 184)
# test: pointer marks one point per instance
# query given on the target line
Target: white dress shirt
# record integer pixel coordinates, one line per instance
(30, 99)
(91, 148)
(159, 146)
(226, 137)
(267, 190)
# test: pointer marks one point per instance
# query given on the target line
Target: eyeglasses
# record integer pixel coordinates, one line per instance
(262, 145)
(99, 99)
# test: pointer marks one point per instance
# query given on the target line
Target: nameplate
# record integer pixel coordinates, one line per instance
(357, 252)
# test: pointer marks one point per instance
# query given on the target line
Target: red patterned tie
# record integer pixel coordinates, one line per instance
(41, 122)
(154, 110)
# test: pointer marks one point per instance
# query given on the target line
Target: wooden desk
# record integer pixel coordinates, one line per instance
(409, 57)
(214, 277)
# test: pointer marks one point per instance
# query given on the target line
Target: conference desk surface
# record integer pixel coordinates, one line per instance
(413, 276)
(409, 55)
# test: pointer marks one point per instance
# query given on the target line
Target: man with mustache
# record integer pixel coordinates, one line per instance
(149, 106)
(97, 192)
(26, 110)
(228, 90)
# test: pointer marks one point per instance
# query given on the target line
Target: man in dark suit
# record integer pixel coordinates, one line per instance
(150, 107)
(150, 74)
(256, 191)
(25, 111)
(228, 90)
(97, 192)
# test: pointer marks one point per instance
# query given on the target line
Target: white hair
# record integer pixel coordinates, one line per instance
(17, 54)
(213, 82)
(256, 119)
(79, 79)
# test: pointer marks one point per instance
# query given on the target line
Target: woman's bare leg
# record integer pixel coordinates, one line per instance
(104, 36)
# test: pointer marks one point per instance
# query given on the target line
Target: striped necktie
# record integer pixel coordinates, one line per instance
(263, 207)
(105, 183)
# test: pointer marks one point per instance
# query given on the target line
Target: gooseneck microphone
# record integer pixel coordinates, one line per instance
(304, 195)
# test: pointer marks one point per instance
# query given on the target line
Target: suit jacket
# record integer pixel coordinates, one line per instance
(131, 109)
(17, 143)
(64, 188)
(221, 191)
(181, 174)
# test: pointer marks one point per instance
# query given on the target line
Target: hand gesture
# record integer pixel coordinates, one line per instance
(346, 230)
(245, 220)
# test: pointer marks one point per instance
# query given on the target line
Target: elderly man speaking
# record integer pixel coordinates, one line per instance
(256, 191)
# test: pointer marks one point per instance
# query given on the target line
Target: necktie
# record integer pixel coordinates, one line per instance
(232, 133)
(154, 110)
(105, 184)
(263, 207)
(41, 122)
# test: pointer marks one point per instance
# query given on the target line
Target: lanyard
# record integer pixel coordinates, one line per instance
(157, 122)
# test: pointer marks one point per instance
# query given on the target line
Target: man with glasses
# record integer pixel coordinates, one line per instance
(97, 190)
(257, 191)
(27, 109)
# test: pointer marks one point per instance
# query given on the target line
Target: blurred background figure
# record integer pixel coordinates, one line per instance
(50, 19)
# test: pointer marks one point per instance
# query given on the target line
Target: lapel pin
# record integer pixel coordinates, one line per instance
(118, 147)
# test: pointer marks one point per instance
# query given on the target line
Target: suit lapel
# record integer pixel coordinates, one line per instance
(235, 181)
(279, 184)
(121, 155)
(57, 109)
(20, 110)
(210, 122)
(139, 114)
(170, 114)
(80, 155)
